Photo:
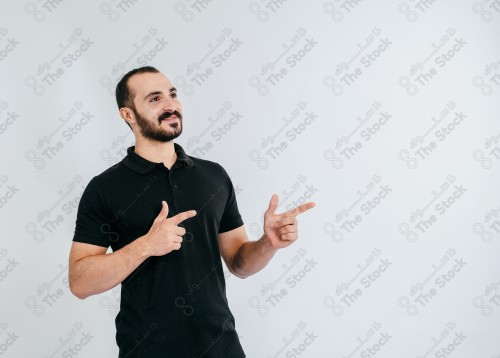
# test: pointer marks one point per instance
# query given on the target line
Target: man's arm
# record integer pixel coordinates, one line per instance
(244, 258)
(92, 271)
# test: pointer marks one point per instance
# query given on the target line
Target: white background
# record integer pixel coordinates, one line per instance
(389, 115)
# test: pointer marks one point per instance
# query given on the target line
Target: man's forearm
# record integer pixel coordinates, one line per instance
(99, 273)
(252, 257)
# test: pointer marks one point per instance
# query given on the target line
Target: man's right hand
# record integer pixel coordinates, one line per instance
(164, 235)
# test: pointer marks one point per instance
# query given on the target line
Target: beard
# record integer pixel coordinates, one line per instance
(156, 133)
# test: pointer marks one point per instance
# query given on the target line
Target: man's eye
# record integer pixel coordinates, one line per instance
(174, 95)
(155, 98)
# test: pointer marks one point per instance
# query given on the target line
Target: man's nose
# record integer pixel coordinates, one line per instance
(169, 105)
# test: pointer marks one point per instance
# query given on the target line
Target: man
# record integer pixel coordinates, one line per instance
(168, 218)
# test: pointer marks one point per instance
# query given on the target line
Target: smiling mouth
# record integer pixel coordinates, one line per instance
(170, 117)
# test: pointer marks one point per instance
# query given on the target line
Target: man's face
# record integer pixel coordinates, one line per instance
(158, 112)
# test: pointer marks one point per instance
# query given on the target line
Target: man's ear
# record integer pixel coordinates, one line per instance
(127, 114)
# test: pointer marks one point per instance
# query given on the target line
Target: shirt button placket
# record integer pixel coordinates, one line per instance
(173, 188)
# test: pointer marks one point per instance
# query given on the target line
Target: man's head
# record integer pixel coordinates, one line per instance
(148, 103)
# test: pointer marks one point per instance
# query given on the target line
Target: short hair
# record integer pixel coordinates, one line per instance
(122, 92)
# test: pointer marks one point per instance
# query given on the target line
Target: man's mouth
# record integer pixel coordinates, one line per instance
(169, 117)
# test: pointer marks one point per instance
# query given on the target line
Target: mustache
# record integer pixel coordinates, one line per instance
(168, 114)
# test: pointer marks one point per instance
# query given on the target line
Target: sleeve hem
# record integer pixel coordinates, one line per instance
(238, 223)
(83, 241)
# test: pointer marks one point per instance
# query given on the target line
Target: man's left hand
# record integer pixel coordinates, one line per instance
(281, 229)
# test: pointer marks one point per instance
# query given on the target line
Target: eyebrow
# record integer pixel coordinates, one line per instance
(172, 89)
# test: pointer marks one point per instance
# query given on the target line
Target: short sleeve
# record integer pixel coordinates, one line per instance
(93, 225)
(231, 218)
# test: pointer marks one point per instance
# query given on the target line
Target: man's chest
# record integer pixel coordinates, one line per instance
(135, 204)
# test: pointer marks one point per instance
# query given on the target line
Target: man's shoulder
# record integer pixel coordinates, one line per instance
(208, 165)
(109, 175)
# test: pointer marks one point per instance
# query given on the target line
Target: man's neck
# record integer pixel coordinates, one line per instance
(156, 152)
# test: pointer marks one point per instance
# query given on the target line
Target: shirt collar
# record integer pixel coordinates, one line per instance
(143, 166)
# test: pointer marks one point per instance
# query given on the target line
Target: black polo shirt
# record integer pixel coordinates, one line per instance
(173, 305)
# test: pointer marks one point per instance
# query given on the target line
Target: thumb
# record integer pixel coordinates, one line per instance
(163, 212)
(273, 204)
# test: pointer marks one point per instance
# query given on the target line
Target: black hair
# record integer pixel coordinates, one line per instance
(123, 98)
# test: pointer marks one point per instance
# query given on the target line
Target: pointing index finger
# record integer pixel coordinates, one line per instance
(300, 209)
(177, 219)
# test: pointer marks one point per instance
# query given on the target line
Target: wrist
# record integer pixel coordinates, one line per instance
(143, 249)
(266, 244)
